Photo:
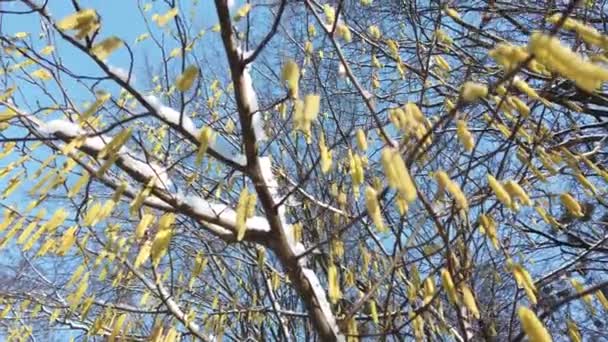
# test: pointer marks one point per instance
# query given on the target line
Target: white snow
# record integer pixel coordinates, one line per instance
(97, 143)
(65, 127)
(121, 73)
(223, 212)
(149, 170)
(153, 101)
(273, 187)
(269, 179)
(171, 115)
(258, 127)
(252, 101)
(342, 70)
(322, 299)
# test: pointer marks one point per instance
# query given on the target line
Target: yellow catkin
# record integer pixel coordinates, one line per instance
(117, 327)
(573, 332)
(373, 208)
(524, 280)
(469, 300)
(578, 286)
(532, 326)
(442, 63)
(361, 140)
(42, 74)
(587, 33)
(572, 206)
(343, 32)
(305, 112)
(452, 13)
(67, 240)
(291, 77)
(584, 181)
(499, 191)
(559, 58)
(397, 174)
(187, 78)
(418, 326)
(356, 171)
(103, 49)
(143, 225)
(333, 284)
(428, 290)
(520, 106)
(74, 299)
(206, 138)
(245, 209)
(326, 155)
(163, 237)
(143, 255)
(84, 21)
(472, 91)
(445, 183)
(84, 179)
(510, 56)
(139, 199)
(464, 136)
(488, 227)
(448, 285)
(602, 299)
(516, 191)
(242, 12)
(374, 32)
(162, 19)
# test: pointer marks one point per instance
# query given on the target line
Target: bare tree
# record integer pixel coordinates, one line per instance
(303, 170)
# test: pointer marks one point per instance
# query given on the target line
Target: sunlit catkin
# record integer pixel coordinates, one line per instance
(469, 300)
(361, 140)
(516, 191)
(291, 77)
(333, 284)
(373, 208)
(448, 285)
(464, 136)
(397, 174)
(532, 326)
(559, 58)
(472, 91)
(499, 191)
(572, 205)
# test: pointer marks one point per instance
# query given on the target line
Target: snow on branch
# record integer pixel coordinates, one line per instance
(252, 101)
(128, 158)
(174, 117)
(221, 214)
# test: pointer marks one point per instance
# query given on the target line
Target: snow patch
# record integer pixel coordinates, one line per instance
(64, 127)
(172, 116)
(149, 170)
(97, 143)
(121, 73)
(269, 179)
(223, 212)
(321, 299)
(252, 101)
